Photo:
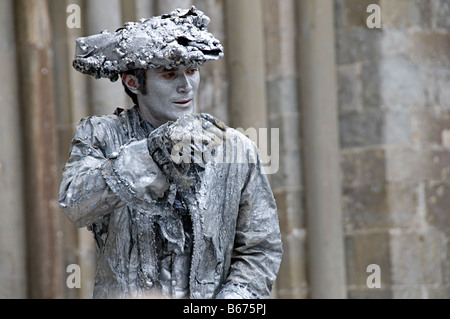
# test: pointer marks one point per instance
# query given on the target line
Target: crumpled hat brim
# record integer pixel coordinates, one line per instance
(180, 37)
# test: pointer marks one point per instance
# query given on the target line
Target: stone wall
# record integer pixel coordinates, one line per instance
(394, 123)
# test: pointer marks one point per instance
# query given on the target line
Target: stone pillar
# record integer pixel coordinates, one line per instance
(13, 276)
(105, 96)
(284, 115)
(40, 148)
(213, 91)
(72, 101)
(167, 6)
(246, 64)
(144, 9)
(321, 149)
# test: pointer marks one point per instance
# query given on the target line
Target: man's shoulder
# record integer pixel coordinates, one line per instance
(240, 136)
(108, 119)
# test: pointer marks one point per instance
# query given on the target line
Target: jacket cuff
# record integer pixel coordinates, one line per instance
(123, 190)
(235, 291)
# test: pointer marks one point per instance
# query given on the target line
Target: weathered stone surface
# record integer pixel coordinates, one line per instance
(402, 83)
(437, 201)
(363, 166)
(408, 164)
(416, 257)
(290, 208)
(293, 283)
(442, 85)
(363, 249)
(379, 206)
(288, 175)
(371, 82)
(441, 12)
(352, 13)
(431, 47)
(357, 45)
(361, 129)
(283, 96)
(405, 13)
(349, 88)
(374, 293)
(431, 126)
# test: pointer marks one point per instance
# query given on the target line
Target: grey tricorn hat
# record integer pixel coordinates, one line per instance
(180, 37)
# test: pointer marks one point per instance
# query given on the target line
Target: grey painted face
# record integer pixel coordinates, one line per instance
(170, 94)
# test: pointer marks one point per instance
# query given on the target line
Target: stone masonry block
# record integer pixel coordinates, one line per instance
(364, 249)
(361, 129)
(441, 12)
(283, 96)
(369, 293)
(402, 83)
(397, 126)
(406, 13)
(288, 126)
(363, 166)
(359, 44)
(280, 38)
(290, 210)
(441, 292)
(408, 164)
(431, 47)
(349, 87)
(416, 257)
(431, 126)
(442, 86)
(437, 200)
(292, 280)
(289, 174)
(355, 12)
(379, 206)
(370, 82)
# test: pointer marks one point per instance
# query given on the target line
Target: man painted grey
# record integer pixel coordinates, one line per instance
(167, 228)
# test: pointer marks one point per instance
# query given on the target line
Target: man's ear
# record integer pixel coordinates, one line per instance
(131, 82)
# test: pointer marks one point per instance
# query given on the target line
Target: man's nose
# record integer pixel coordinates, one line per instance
(184, 85)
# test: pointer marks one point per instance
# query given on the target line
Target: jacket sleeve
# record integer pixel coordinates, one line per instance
(257, 248)
(98, 178)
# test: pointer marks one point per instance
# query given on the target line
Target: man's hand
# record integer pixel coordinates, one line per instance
(136, 168)
(176, 145)
(193, 135)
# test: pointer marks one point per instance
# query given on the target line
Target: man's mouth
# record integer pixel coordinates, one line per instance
(183, 102)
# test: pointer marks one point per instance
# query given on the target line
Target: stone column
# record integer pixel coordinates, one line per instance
(40, 148)
(284, 115)
(213, 91)
(167, 6)
(12, 220)
(246, 64)
(321, 149)
(105, 96)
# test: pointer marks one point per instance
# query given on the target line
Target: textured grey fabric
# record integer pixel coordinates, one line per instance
(236, 248)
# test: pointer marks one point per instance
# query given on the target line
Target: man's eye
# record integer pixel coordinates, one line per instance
(191, 71)
(169, 75)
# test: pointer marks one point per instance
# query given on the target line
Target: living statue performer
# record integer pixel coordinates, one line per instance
(167, 220)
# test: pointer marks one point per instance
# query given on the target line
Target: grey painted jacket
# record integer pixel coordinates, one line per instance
(237, 244)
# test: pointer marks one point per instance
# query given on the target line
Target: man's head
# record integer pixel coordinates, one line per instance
(157, 58)
(170, 40)
(163, 94)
